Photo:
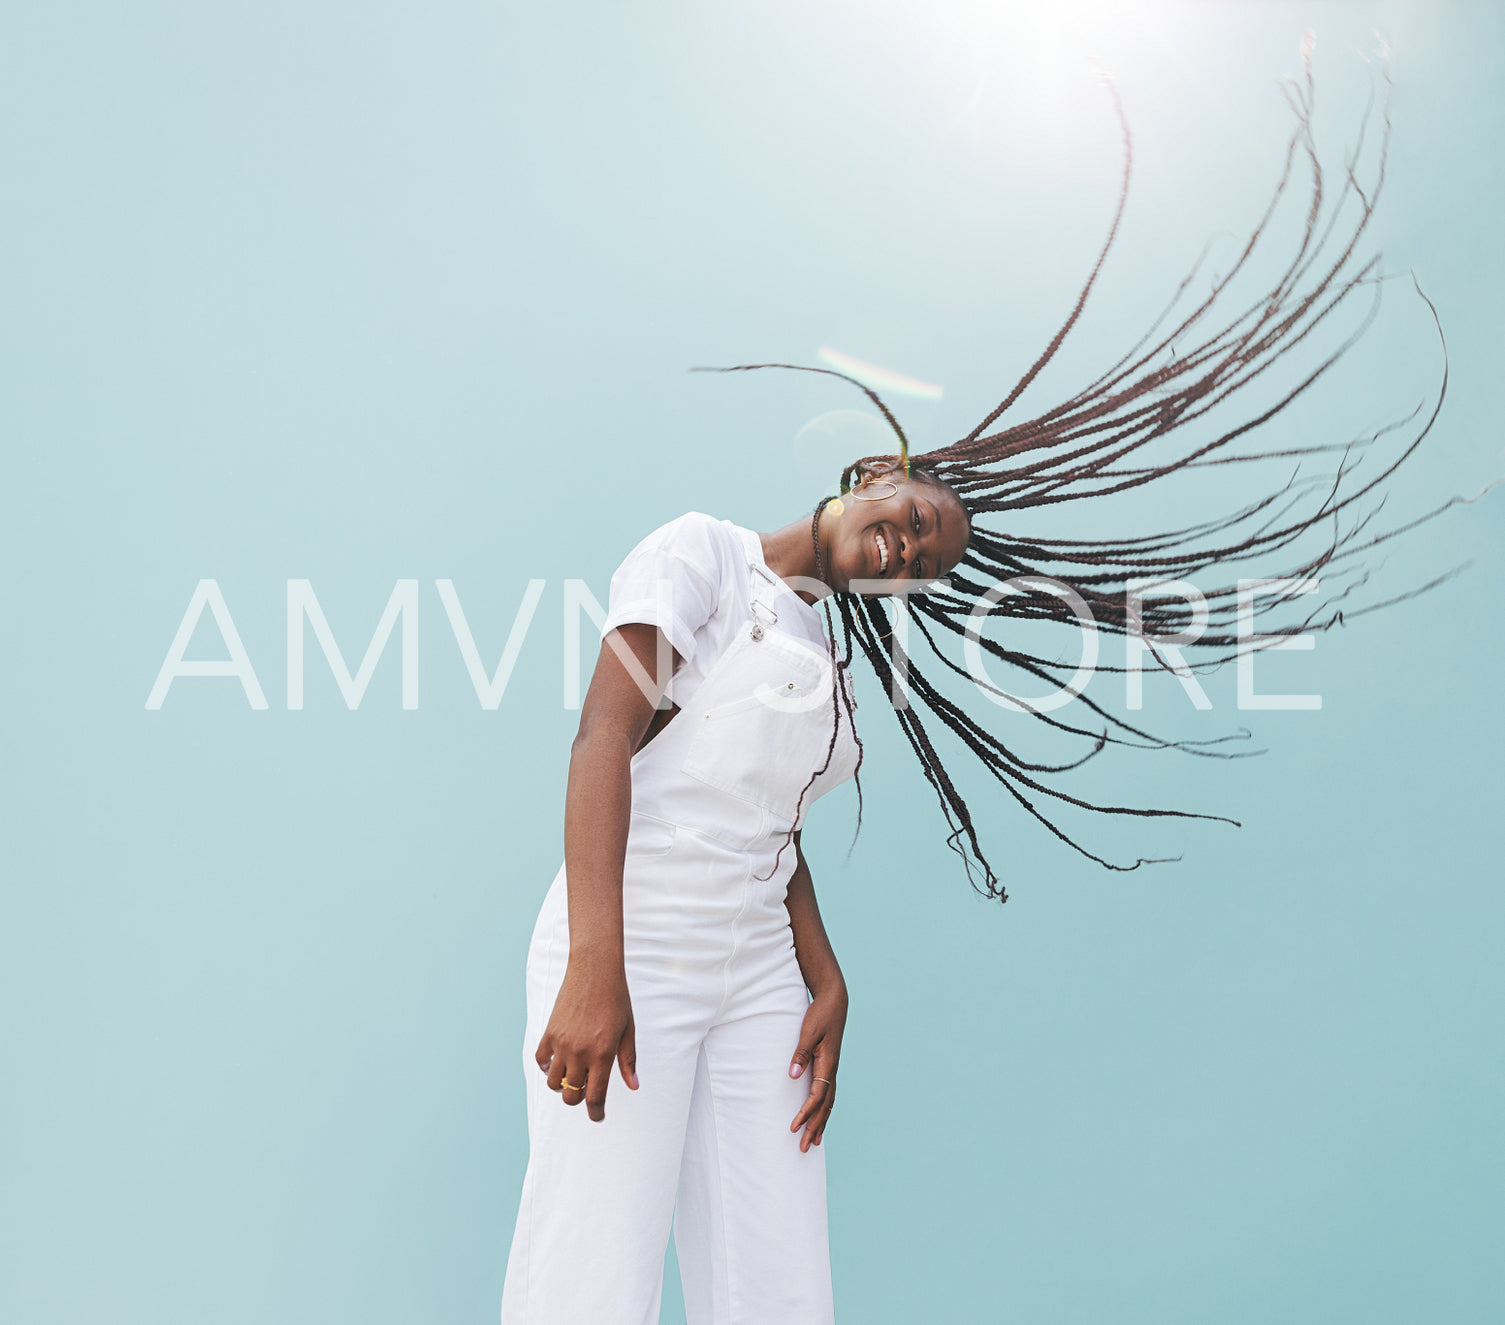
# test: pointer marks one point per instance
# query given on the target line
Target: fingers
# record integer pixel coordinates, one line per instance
(812, 1102)
(816, 1110)
(816, 1128)
(816, 1054)
(569, 1078)
(627, 1057)
(544, 1054)
(597, 1079)
(815, 1123)
(557, 1073)
(577, 1082)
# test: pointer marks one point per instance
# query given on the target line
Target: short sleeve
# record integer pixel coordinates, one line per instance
(672, 580)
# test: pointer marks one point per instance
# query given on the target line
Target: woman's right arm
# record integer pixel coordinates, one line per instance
(591, 1024)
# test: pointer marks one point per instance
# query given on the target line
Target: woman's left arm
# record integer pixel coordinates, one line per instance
(819, 1050)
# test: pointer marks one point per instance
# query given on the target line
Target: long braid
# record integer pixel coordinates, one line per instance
(844, 665)
(837, 689)
(1105, 440)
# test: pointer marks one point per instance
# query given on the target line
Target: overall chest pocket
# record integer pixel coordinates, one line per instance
(761, 722)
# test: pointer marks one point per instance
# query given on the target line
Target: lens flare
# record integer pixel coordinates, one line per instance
(879, 379)
(831, 441)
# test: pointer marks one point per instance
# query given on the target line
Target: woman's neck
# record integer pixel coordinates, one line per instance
(790, 554)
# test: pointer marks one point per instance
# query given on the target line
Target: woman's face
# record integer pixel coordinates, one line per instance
(918, 533)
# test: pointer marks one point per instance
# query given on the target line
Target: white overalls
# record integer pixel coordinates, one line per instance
(717, 1001)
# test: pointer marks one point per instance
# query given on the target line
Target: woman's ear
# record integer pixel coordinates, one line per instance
(878, 466)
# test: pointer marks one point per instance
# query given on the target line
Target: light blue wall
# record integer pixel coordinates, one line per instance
(357, 293)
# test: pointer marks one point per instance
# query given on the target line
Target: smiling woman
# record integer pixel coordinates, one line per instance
(910, 527)
(682, 936)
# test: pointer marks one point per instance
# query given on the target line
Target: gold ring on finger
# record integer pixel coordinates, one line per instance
(564, 1084)
(824, 1082)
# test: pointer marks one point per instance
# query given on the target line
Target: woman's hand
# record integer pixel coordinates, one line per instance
(590, 1026)
(819, 1053)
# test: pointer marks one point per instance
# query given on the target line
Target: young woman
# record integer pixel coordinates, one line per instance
(682, 934)
(680, 946)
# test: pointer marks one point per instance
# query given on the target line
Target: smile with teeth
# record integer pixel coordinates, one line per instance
(882, 552)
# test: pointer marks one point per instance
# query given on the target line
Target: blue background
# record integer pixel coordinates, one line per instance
(366, 292)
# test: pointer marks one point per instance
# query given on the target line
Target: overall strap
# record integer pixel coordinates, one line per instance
(763, 586)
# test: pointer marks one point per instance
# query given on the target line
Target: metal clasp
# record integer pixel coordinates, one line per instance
(759, 606)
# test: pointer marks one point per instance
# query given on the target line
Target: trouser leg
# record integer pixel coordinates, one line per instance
(593, 1224)
(750, 1225)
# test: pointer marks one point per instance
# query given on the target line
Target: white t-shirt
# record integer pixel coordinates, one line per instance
(690, 578)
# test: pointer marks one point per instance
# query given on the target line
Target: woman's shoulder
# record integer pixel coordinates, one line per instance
(693, 549)
(693, 525)
(703, 541)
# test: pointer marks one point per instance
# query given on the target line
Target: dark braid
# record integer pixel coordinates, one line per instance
(838, 688)
(1102, 442)
(844, 665)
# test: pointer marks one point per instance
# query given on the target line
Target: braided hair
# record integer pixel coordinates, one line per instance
(1099, 443)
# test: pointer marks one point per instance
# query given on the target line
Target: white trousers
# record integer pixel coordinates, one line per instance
(717, 1000)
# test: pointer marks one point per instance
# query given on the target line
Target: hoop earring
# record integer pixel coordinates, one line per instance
(893, 488)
